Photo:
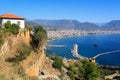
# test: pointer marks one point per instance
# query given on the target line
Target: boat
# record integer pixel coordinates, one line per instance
(95, 45)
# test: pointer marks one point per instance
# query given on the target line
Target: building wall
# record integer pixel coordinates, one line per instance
(22, 22)
(0, 22)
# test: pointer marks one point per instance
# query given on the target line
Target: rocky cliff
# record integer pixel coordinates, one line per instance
(35, 65)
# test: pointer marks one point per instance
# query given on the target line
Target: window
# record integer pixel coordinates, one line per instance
(18, 22)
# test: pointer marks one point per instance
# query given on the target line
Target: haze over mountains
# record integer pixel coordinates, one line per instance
(75, 24)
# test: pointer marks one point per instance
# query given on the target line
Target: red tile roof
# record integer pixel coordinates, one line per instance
(10, 16)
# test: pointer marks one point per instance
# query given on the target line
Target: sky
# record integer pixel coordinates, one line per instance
(83, 10)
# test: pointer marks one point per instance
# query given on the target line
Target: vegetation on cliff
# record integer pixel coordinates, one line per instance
(58, 62)
(16, 48)
(23, 51)
(12, 28)
(39, 36)
(77, 69)
(1, 39)
(85, 70)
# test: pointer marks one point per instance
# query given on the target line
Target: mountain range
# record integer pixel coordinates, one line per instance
(75, 24)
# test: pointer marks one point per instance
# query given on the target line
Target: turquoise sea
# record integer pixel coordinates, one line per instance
(105, 43)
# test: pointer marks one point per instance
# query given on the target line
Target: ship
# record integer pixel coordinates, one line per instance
(95, 45)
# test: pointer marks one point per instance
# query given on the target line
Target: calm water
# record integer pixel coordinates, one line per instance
(106, 43)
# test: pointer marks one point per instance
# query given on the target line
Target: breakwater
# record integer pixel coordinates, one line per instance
(100, 54)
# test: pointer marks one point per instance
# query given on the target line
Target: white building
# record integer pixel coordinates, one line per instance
(13, 19)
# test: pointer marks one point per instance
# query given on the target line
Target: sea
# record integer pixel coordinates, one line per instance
(87, 48)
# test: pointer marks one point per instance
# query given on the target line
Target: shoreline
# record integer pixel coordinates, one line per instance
(78, 36)
(88, 35)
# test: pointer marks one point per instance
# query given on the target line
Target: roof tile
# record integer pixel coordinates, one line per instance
(11, 16)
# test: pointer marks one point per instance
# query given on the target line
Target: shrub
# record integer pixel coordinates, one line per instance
(89, 70)
(85, 70)
(71, 75)
(1, 39)
(12, 28)
(7, 25)
(58, 63)
(23, 51)
(72, 70)
(39, 37)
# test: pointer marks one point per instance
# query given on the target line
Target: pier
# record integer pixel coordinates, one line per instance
(56, 45)
(116, 51)
(75, 53)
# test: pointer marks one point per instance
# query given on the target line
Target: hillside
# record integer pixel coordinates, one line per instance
(30, 23)
(22, 57)
(19, 61)
(112, 25)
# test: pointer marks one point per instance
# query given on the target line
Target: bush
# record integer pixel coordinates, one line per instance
(89, 70)
(1, 39)
(12, 28)
(72, 70)
(23, 51)
(58, 63)
(39, 37)
(7, 25)
(85, 70)
(71, 75)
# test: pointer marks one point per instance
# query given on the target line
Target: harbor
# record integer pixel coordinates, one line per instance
(75, 53)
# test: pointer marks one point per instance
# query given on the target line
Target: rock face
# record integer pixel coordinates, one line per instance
(32, 63)
(8, 49)
(36, 64)
(33, 68)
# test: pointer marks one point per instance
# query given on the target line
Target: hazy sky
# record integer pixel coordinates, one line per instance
(82, 10)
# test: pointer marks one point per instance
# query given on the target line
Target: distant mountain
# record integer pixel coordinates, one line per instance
(31, 23)
(74, 24)
(56, 23)
(100, 24)
(67, 24)
(112, 25)
(87, 26)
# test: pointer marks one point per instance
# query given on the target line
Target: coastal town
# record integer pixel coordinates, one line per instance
(60, 40)
(55, 34)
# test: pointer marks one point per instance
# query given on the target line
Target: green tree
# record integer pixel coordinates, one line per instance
(39, 37)
(14, 29)
(71, 75)
(7, 25)
(58, 62)
(89, 70)
(72, 70)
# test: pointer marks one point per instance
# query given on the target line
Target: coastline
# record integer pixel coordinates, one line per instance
(69, 36)
(88, 35)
